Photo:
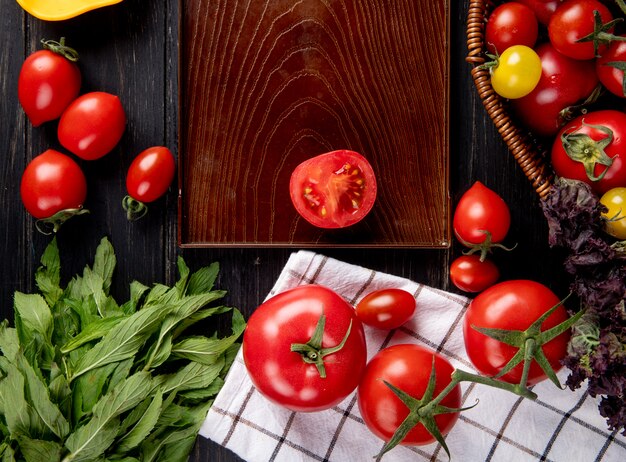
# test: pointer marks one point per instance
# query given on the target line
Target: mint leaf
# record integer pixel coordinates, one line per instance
(9, 342)
(201, 281)
(137, 290)
(32, 316)
(95, 330)
(144, 426)
(48, 275)
(13, 403)
(192, 376)
(35, 450)
(104, 263)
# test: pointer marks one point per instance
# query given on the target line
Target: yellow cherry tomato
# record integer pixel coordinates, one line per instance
(615, 200)
(516, 73)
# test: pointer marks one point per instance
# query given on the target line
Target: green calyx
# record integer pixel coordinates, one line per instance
(134, 209)
(529, 343)
(61, 49)
(421, 411)
(485, 247)
(601, 35)
(52, 224)
(582, 148)
(312, 351)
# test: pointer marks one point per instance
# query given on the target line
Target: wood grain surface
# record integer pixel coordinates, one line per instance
(131, 49)
(267, 84)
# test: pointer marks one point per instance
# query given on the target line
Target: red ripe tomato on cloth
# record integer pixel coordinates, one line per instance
(407, 367)
(92, 125)
(591, 148)
(49, 81)
(386, 308)
(512, 305)
(333, 190)
(305, 348)
(470, 274)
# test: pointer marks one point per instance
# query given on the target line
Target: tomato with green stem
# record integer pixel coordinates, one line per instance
(407, 376)
(53, 189)
(610, 68)
(516, 72)
(615, 215)
(386, 308)
(305, 348)
(149, 177)
(48, 82)
(333, 190)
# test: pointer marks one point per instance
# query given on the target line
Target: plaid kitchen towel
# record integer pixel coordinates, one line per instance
(559, 426)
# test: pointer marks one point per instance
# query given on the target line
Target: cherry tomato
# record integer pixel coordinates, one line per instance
(407, 367)
(481, 212)
(470, 274)
(290, 378)
(610, 68)
(516, 73)
(149, 176)
(547, 107)
(573, 20)
(53, 185)
(579, 153)
(386, 308)
(511, 24)
(615, 201)
(92, 125)
(48, 82)
(333, 190)
(512, 305)
(543, 8)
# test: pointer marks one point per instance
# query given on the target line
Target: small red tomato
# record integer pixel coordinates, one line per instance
(149, 176)
(610, 68)
(53, 187)
(408, 367)
(480, 213)
(470, 274)
(386, 308)
(333, 190)
(92, 125)
(574, 20)
(544, 9)
(511, 24)
(49, 81)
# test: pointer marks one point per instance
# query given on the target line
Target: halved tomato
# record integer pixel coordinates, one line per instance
(333, 190)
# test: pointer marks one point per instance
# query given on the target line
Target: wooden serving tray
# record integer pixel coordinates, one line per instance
(266, 84)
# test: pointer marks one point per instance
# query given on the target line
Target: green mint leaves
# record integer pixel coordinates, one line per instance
(84, 378)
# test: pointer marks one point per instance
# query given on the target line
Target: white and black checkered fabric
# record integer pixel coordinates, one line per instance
(559, 426)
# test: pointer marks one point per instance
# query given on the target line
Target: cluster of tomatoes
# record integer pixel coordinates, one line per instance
(561, 64)
(53, 187)
(305, 350)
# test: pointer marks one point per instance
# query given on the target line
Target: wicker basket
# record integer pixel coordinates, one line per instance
(525, 151)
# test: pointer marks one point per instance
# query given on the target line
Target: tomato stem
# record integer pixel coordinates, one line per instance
(484, 247)
(134, 209)
(312, 351)
(601, 34)
(52, 224)
(61, 49)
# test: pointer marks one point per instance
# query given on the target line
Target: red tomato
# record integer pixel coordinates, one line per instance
(543, 8)
(333, 190)
(290, 318)
(480, 211)
(573, 20)
(510, 24)
(386, 308)
(150, 174)
(585, 135)
(48, 82)
(545, 109)
(610, 68)
(52, 182)
(407, 367)
(512, 305)
(470, 274)
(92, 125)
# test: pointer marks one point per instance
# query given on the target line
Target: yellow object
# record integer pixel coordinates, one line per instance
(58, 10)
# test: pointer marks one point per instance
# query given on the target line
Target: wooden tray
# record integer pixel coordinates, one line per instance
(266, 84)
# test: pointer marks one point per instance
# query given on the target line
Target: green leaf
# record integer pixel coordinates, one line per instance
(39, 398)
(95, 330)
(18, 415)
(156, 295)
(160, 351)
(143, 427)
(104, 263)
(137, 290)
(8, 455)
(197, 317)
(48, 275)
(39, 450)
(88, 389)
(183, 270)
(123, 341)
(90, 441)
(61, 394)
(202, 281)
(192, 376)
(34, 317)
(120, 373)
(204, 393)
(9, 342)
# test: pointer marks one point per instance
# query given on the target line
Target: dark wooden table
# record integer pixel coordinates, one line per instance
(130, 49)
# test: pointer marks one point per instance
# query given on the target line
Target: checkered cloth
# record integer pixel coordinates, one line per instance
(559, 426)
